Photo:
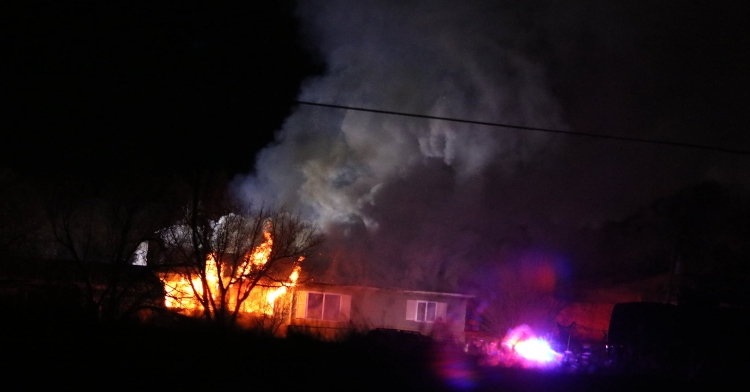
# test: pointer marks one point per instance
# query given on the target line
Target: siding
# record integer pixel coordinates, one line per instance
(365, 308)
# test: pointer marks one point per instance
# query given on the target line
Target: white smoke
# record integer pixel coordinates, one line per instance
(420, 189)
(428, 58)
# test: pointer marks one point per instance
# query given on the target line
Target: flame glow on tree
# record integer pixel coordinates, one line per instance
(187, 293)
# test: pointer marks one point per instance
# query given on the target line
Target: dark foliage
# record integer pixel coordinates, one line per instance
(182, 353)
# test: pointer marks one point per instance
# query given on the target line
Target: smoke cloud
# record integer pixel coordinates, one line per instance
(404, 197)
(423, 203)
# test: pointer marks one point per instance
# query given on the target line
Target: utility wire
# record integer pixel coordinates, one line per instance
(525, 128)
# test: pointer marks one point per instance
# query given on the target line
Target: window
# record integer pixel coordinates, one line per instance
(425, 311)
(315, 305)
(323, 306)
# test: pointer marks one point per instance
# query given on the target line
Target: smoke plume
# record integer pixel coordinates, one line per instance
(400, 197)
(424, 203)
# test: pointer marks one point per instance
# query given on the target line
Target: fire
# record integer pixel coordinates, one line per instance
(178, 292)
(263, 251)
(212, 272)
(272, 295)
(183, 291)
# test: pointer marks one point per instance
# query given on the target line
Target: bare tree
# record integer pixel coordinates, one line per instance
(98, 234)
(227, 260)
(22, 220)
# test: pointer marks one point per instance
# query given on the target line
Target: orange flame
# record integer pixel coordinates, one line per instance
(182, 293)
(263, 251)
(272, 295)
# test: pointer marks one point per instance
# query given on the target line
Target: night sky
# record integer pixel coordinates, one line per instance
(102, 90)
(97, 90)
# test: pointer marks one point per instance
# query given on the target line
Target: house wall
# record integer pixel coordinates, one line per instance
(365, 308)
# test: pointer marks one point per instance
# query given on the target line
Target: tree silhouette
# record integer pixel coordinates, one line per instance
(225, 259)
(98, 232)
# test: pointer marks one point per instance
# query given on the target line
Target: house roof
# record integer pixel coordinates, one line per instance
(392, 289)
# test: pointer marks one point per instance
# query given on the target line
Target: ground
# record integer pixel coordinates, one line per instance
(46, 355)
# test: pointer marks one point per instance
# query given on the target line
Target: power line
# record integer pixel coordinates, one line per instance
(525, 128)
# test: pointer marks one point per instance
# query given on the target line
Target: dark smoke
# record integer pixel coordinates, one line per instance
(427, 204)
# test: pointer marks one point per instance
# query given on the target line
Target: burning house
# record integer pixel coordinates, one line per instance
(326, 311)
(258, 289)
(235, 269)
(250, 271)
(248, 294)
